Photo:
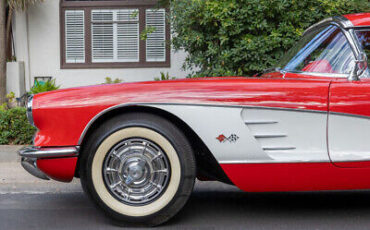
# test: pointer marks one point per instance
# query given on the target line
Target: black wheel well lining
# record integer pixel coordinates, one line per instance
(207, 165)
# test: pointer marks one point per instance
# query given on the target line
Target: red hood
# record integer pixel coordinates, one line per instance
(137, 92)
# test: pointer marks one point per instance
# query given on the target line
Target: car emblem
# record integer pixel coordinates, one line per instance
(232, 138)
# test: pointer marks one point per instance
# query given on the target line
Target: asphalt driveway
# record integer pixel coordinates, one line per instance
(29, 203)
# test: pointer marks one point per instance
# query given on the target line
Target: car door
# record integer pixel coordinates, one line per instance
(349, 123)
(349, 117)
(329, 53)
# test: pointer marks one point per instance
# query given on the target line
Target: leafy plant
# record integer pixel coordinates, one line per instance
(14, 127)
(40, 87)
(109, 80)
(10, 99)
(164, 77)
(11, 59)
(242, 37)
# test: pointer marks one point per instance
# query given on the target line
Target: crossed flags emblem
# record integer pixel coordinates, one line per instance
(232, 138)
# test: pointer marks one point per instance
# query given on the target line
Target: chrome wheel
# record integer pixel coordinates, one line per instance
(136, 171)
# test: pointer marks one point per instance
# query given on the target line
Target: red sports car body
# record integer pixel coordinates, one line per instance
(303, 126)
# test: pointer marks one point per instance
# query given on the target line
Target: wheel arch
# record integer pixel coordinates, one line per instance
(207, 166)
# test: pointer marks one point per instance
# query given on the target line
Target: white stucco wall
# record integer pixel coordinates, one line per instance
(39, 47)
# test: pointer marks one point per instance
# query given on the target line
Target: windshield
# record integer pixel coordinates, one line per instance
(325, 50)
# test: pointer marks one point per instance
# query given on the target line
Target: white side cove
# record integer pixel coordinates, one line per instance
(349, 138)
(265, 135)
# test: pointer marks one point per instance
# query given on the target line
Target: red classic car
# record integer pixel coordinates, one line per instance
(138, 147)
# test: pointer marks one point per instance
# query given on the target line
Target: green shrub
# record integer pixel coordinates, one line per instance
(242, 37)
(109, 80)
(164, 77)
(44, 86)
(14, 127)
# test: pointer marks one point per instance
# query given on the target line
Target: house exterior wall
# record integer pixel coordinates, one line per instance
(37, 43)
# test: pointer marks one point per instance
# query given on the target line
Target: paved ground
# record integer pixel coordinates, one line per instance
(28, 203)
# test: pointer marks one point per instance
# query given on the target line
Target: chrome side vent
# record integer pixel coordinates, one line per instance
(268, 132)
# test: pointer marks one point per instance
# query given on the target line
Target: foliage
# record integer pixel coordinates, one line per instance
(21, 4)
(164, 77)
(147, 31)
(14, 127)
(40, 87)
(109, 80)
(11, 59)
(242, 37)
(10, 99)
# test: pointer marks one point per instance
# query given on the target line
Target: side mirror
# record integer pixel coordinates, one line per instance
(359, 68)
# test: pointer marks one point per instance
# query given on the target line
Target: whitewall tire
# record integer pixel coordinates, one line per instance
(139, 168)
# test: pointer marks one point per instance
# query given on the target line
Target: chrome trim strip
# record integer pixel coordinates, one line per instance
(269, 135)
(260, 122)
(289, 162)
(29, 110)
(343, 21)
(184, 104)
(278, 148)
(270, 162)
(320, 23)
(49, 152)
(315, 74)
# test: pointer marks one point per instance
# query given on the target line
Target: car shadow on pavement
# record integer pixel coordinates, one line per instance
(208, 208)
(277, 210)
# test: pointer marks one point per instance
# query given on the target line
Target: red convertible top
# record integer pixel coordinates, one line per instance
(360, 19)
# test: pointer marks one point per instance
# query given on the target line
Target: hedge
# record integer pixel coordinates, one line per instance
(242, 37)
(14, 127)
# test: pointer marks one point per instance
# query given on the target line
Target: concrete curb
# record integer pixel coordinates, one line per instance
(9, 153)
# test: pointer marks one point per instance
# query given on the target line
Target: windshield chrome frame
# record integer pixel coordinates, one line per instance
(347, 29)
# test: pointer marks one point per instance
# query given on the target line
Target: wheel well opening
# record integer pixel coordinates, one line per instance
(207, 166)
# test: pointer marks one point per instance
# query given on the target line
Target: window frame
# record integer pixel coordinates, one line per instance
(332, 75)
(87, 7)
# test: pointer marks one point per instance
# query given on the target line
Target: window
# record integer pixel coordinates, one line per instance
(106, 34)
(322, 51)
(115, 35)
(364, 39)
(363, 36)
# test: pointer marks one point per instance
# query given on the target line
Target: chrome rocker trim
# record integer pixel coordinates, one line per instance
(49, 152)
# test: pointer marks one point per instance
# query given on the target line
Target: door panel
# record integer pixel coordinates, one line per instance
(349, 123)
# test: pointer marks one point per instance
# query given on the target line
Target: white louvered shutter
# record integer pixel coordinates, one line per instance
(115, 35)
(74, 36)
(102, 36)
(156, 41)
(128, 35)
